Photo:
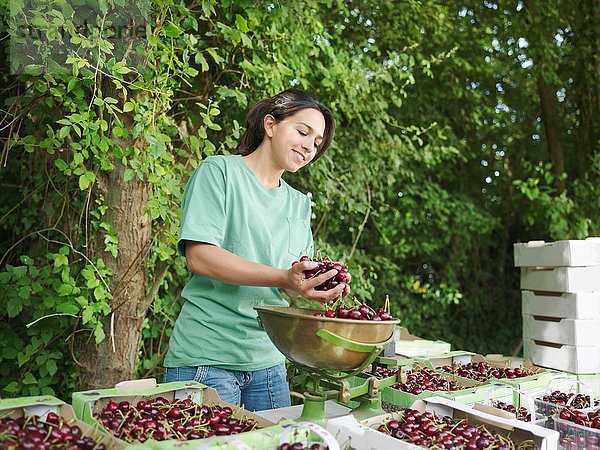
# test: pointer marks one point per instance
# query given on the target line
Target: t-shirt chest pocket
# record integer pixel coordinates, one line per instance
(298, 231)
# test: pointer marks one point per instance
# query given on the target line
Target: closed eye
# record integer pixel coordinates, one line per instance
(302, 133)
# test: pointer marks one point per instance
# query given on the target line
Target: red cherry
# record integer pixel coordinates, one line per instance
(52, 417)
(354, 314)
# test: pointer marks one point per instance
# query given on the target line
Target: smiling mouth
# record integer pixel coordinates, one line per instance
(300, 154)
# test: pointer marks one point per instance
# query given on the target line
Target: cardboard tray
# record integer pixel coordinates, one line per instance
(364, 435)
(500, 361)
(87, 403)
(409, 345)
(42, 405)
(584, 252)
(265, 439)
(539, 379)
(473, 391)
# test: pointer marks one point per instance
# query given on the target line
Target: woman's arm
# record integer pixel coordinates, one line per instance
(217, 263)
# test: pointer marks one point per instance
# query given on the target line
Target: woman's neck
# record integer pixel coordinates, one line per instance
(263, 166)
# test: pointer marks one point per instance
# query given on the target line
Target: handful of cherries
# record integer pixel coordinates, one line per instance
(432, 432)
(35, 433)
(160, 419)
(356, 311)
(325, 265)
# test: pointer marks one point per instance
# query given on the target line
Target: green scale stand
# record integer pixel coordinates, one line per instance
(327, 358)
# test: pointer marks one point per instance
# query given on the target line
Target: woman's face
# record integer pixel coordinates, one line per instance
(294, 140)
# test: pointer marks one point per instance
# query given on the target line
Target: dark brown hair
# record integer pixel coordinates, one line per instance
(281, 106)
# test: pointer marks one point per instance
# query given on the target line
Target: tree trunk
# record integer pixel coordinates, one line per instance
(595, 48)
(115, 358)
(551, 126)
(547, 99)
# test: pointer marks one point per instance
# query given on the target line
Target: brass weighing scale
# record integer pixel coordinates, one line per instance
(327, 357)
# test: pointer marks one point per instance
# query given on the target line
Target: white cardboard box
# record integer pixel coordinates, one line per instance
(364, 436)
(561, 279)
(582, 305)
(560, 253)
(409, 345)
(567, 358)
(581, 333)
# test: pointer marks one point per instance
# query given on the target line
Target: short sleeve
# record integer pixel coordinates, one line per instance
(203, 207)
(310, 246)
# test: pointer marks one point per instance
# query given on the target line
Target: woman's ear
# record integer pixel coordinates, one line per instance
(268, 123)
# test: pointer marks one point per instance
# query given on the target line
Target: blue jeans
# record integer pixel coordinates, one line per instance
(256, 391)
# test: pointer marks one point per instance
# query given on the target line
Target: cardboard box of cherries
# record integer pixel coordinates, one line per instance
(141, 410)
(178, 415)
(437, 423)
(47, 423)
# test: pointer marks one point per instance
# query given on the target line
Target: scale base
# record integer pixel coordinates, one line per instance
(314, 409)
(369, 407)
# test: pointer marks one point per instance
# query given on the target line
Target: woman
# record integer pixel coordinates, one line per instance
(242, 226)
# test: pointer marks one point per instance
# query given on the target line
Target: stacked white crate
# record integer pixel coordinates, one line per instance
(560, 283)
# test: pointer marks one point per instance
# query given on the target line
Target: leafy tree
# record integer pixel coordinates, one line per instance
(442, 160)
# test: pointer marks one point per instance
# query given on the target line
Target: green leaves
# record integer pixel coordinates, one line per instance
(34, 70)
(172, 30)
(86, 179)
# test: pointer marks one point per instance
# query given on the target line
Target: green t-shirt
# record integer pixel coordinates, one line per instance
(224, 204)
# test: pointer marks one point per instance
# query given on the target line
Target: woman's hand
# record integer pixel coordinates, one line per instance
(222, 265)
(306, 287)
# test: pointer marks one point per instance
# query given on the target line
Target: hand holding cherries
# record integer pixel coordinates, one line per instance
(325, 265)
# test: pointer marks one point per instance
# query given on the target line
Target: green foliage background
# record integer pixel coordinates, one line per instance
(439, 165)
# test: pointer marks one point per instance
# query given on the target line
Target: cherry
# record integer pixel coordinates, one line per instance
(174, 413)
(52, 417)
